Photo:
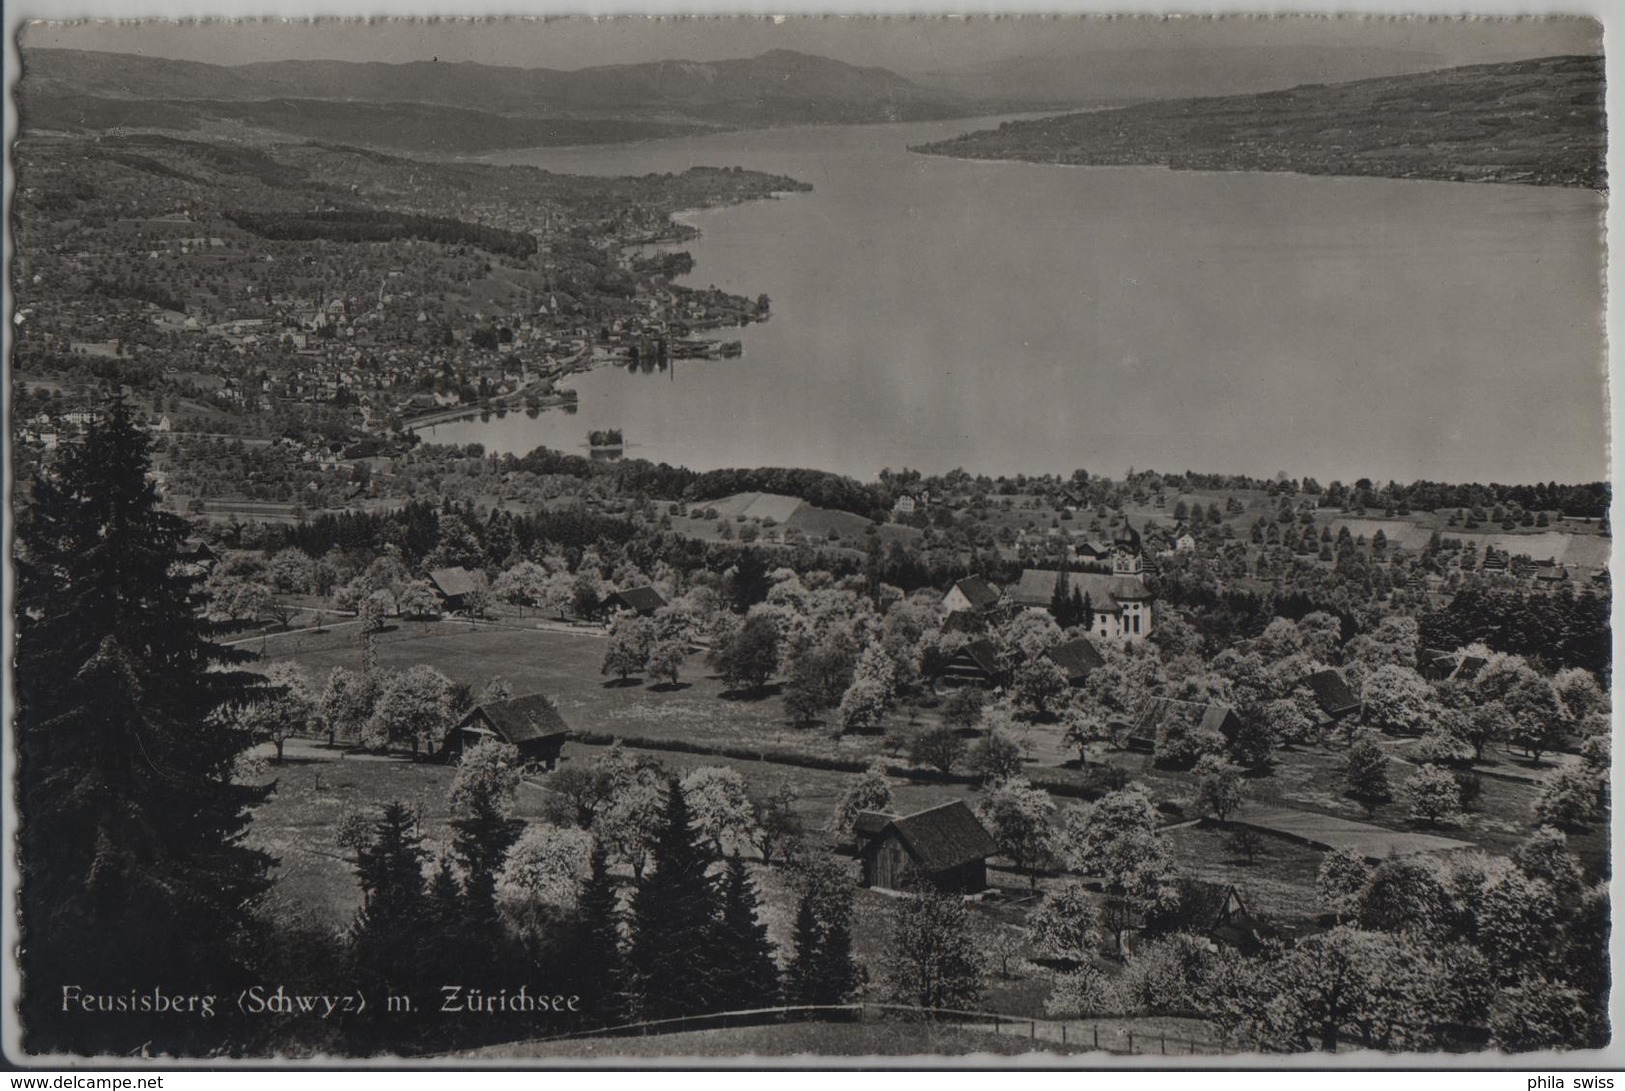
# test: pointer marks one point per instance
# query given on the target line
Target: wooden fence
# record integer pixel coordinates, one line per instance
(1118, 1038)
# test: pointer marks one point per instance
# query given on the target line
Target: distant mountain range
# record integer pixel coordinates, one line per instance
(466, 107)
(1134, 75)
(469, 108)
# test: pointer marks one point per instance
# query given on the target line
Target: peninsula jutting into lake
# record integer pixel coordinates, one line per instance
(589, 538)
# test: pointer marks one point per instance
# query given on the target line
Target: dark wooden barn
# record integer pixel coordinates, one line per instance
(531, 724)
(1333, 695)
(453, 585)
(643, 601)
(976, 664)
(1161, 717)
(1077, 657)
(946, 846)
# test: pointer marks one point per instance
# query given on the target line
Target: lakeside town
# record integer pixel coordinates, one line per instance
(357, 322)
(381, 747)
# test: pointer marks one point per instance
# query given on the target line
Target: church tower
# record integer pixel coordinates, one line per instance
(1127, 557)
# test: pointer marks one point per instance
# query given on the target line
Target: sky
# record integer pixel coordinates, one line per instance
(908, 44)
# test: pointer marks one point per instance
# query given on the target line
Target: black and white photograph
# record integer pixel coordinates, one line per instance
(1060, 540)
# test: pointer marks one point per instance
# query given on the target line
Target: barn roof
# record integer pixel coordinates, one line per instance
(1077, 657)
(519, 719)
(1332, 692)
(978, 592)
(983, 654)
(1158, 712)
(945, 836)
(644, 600)
(452, 582)
(1468, 669)
(869, 823)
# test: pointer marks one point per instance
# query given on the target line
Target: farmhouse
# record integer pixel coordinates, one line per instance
(643, 601)
(946, 846)
(975, 664)
(1332, 695)
(453, 585)
(970, 595)
(531, 724)
(1160, 718)
(1077, 657)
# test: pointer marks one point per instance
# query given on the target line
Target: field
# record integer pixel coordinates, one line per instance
(565, 666)
(317, 786)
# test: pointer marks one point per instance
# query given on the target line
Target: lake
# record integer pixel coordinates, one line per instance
(935, 313)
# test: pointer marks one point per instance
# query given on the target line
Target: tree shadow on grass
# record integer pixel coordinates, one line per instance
(622, 683)
(670, 687)
(772, 689)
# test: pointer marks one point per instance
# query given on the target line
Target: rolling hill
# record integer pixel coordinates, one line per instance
(1538, 122)
(466, 107)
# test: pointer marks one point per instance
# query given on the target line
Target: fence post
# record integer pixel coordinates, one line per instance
(1165, 1044)
(1131, 1043)
(1063, 1025)
(1034, 1024)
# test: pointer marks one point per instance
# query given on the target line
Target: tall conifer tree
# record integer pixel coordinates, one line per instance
(134, 874)
(600, 969)
(749, 977)
(674, 923)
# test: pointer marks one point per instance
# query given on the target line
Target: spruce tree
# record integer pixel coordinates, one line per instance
(134, 875)
(674, 923)
(838, 973)
(748, 975)
(396, 915)
(822, 970)
(444, 911)
(482, 796)
(1060, 602)
(481, 842)
(600, 970)
(801, 978)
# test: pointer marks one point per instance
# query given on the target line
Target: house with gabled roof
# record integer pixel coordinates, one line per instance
(1162, 718)
(1333, 695)
(453, 585)
(944, 846)
(531, 724)
(643, 601)
(972, 594)
(1435, 664)
(975, 664)
(1077, 657)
